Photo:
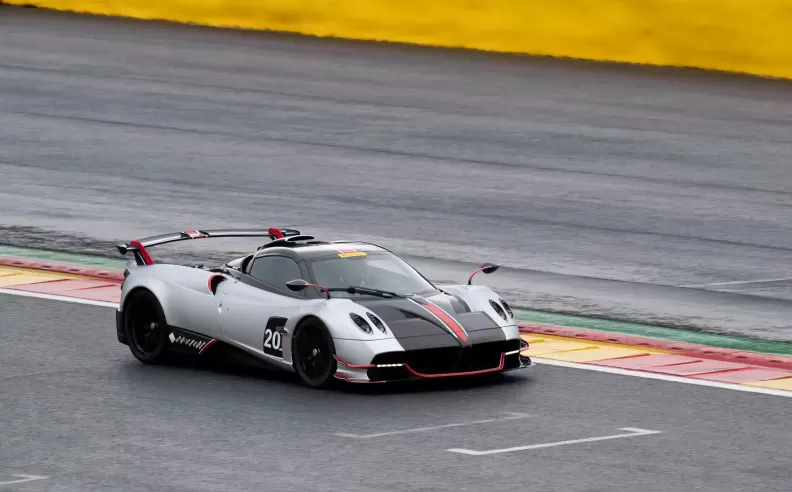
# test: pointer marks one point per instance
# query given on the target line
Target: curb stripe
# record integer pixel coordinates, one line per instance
(48, 266)
(665, 377)
(681, 348)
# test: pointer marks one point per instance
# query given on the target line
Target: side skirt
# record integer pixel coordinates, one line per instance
(194, 344)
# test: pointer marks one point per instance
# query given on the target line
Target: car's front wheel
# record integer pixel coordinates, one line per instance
(313, 351)
(146, 328)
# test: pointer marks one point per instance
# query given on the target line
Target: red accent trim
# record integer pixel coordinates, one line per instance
(194, 234)
(320, 287)
(354, 366)
(448, 320)
(209, 282)
(142, 250)
(276, 232)
(456, 374)
(470, 279)
(345, 378)
(206, 347)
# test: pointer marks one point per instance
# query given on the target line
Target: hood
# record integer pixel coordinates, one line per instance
(450, 325)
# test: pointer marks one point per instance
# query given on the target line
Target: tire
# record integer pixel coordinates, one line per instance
(312, 354)
(146, 328)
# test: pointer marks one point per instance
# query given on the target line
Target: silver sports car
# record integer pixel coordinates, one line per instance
(329, 311)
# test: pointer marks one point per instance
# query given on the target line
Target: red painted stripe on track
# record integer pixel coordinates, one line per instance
(100, 273)
(748, 375)
(640, 362)
(64, 286)
(697, 367)
(105, 294)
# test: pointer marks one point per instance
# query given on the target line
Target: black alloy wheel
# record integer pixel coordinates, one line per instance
(313, 354)
(146, 328)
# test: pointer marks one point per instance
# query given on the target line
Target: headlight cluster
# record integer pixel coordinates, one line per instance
(498, 309)
(377, 322)
(506, 306)
(364, 325)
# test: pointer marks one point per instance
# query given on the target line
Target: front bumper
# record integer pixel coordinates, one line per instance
(481, 359)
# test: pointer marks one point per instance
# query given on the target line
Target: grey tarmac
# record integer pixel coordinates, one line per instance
(606, 190)
(78, 409)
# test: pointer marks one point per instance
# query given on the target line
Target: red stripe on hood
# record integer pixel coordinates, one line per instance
(448, 320)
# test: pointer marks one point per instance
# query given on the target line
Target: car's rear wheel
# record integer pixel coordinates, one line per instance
(313, 354)
(146, 328)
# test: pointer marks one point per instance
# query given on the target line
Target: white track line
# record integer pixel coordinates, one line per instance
(549, 362)
(631, 432)
(513, 416)
(664, 377)
(737, 282)
(53, 297)
(23, 479)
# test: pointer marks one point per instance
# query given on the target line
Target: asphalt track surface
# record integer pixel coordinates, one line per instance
(78, 409)
(602, 189)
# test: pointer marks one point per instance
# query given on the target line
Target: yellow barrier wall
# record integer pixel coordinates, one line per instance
(752, 36)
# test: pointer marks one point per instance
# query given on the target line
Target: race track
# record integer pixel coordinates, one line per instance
(78, 409)
(602, 189)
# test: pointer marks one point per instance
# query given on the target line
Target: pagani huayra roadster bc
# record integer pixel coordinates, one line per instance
(328, 311)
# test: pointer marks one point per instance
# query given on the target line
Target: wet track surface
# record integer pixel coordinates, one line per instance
(602, 189)
(78, 409)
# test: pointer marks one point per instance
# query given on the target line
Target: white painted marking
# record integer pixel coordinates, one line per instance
(53, 297)
(23, 478)
(513, 416)
(664, 377)
(738, 282)
(574, 365)
(631, 432)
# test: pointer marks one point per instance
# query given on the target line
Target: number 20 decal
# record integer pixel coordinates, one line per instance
(273, 339)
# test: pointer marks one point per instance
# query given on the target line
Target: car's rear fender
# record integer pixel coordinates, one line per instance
(183, 292)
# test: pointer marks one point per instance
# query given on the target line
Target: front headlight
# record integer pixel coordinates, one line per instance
(377, 322)
(360, 322)
(498, 309)
(506, 306)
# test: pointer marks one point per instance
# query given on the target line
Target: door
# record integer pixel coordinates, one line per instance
(255, 309)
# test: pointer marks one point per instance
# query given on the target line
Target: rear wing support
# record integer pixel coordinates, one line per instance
(139, 246)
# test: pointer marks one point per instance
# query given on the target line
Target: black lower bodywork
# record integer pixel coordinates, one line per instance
(478, 359)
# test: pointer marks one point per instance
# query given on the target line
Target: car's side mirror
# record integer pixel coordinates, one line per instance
(487, 268)
(299, 284)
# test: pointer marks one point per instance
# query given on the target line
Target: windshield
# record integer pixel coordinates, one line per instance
(375, 270)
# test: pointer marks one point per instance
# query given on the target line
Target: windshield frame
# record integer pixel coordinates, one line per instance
(399, 261)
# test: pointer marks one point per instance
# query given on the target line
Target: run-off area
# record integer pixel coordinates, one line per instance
(82, 414)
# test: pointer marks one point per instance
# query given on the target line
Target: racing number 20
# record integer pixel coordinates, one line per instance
(272, 337)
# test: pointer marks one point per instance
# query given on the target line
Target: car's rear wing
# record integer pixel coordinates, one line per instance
(138, 246)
